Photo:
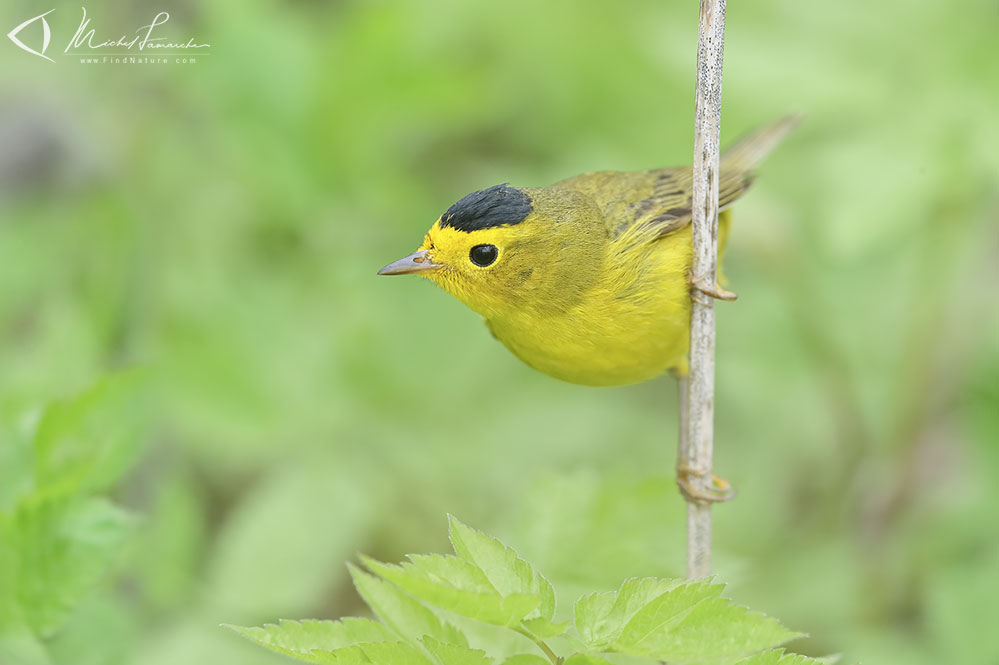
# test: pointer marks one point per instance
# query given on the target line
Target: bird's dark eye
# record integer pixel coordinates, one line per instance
(483, 255)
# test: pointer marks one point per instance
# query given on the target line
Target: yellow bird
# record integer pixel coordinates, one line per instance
(586, 280)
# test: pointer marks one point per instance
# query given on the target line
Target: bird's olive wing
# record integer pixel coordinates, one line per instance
(659, 198)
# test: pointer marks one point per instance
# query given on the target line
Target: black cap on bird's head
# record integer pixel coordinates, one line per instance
(500, 205)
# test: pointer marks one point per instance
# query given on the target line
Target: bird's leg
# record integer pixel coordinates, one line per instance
(720, 490)
(716, 292)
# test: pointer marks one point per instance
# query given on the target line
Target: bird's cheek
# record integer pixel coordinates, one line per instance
(446, 279)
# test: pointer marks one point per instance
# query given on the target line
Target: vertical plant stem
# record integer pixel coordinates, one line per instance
(696, 444)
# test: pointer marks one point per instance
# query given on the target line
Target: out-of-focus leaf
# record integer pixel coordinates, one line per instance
(18, 644)
(17, 473)
(169, 547)
(86, 442)
(57, 550)
(964, 609)
(188, 641)
(101, 613)
(285, 543)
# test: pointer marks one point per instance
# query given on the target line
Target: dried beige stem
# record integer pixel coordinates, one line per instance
(697, 420)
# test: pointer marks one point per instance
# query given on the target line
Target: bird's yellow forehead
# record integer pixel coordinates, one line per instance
(438, 236)
(443, 241)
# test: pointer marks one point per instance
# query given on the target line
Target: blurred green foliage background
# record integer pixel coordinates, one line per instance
(214, 229)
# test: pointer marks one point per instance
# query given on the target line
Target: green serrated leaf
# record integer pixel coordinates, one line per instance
(831, 659)
(502, 566)
(586, 659)
(455, 585)
(778, 657)
(714, 628)
(543, 628)
(370, 653)
(665, 611)
(526, 659)
(402, 613)
(300, 638)
(600, 617)
(352, 641)
(660, 619)
(453, 654)
(451, 570)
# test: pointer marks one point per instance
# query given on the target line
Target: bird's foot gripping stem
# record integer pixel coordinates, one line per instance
(720, 490)
(713, 291)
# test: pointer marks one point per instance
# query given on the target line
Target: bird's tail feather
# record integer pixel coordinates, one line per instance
(747, 153)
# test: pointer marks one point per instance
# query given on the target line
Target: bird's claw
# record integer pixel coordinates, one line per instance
(715, 291)
(720, 490)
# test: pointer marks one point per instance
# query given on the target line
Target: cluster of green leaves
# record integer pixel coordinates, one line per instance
(419, 601)
(58, 535)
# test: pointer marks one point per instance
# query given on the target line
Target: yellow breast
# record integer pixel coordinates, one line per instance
(632, 326)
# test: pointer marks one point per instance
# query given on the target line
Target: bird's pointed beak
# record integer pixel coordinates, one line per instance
(416, 262)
